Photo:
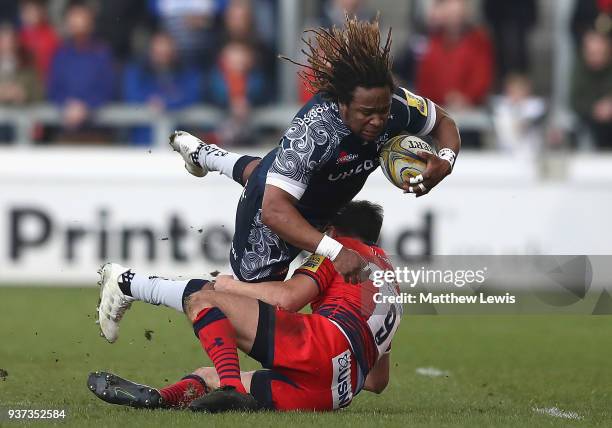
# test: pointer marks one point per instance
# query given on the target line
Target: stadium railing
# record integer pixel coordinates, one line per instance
(24, 119)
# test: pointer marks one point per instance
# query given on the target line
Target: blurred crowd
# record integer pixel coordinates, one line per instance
(481, 55)
(164, 54)
(171, 54)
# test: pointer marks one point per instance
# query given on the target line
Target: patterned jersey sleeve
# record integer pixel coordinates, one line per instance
(418, 113)
(320, 269)
(306, 145)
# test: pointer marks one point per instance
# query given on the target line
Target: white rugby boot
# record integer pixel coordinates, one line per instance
(113, 303)
(189, 146)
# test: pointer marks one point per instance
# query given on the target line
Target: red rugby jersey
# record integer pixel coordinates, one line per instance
(369, 326)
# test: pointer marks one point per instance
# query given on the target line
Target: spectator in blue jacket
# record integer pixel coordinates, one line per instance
(82, 75)
(161, 82)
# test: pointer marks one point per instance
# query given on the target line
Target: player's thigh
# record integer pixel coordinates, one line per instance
(289, 341)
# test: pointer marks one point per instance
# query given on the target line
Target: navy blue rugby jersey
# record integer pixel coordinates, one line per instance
(323, 165)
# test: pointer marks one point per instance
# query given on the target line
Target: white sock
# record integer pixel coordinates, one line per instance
(158, 291)
(217, 159)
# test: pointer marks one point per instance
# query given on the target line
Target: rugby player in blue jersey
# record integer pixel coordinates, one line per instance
(323, 160)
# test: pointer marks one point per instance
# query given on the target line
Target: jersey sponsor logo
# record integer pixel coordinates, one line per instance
(416, 102)
(365, 166)
(342, 390)
(345, 157)
(313, 263)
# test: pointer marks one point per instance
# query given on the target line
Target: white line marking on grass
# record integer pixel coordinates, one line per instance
(431, 372)
(557, 413)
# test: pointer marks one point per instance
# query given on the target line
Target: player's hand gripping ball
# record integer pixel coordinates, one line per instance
(400, 160)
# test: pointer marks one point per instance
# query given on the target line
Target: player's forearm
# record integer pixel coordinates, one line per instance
(272, 292)
(446, 132)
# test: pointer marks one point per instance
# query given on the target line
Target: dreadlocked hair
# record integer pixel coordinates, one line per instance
(340, 59)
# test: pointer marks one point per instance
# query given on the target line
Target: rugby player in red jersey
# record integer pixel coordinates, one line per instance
(317, 361)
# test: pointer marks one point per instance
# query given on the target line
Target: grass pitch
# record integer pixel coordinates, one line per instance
(500, 368)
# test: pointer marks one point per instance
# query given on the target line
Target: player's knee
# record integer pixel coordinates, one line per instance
(197, 301)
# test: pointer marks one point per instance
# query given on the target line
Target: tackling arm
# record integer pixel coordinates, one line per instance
(291, 295)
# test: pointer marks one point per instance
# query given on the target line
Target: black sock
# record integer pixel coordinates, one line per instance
(240, 166)
(193, 286)
(126, 282)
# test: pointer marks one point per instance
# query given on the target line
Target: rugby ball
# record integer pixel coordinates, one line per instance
(399, 158)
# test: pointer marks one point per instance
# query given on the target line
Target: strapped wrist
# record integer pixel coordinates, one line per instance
(328, 247)
(448, 155)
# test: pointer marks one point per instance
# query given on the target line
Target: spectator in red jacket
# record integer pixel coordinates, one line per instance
(457, 67)
(37, 36)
